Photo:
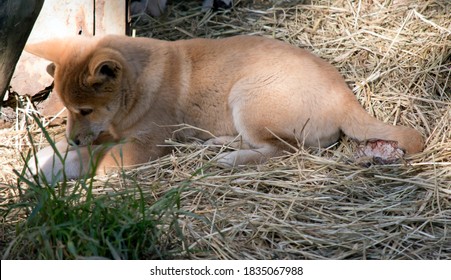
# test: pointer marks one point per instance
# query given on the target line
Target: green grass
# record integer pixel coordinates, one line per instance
(73, 220)
(81, 225)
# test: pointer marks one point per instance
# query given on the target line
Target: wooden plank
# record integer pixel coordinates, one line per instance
(57, 19)
(110, 17)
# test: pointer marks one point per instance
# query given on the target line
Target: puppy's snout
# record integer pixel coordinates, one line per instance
(75, 141)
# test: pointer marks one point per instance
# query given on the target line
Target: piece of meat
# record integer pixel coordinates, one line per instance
(377, 151)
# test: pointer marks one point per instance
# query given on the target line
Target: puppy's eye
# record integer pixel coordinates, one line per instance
(85, 112)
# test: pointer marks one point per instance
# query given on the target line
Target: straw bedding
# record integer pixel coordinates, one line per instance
(316, 203)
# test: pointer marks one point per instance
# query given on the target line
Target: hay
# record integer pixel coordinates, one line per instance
(315, 204)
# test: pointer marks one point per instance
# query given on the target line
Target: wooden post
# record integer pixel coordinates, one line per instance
(17, 18)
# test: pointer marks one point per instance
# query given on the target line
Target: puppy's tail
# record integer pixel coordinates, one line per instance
(358, 124)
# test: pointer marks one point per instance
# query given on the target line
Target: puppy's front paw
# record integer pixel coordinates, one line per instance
(52, 168)
(47, 165)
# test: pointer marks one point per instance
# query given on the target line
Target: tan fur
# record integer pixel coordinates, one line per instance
(140, 89)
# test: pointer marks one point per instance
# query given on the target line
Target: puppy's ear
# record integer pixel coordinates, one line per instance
(51, 69)
(51, 50)
(105, 68)
(108, 69)
(56, 49)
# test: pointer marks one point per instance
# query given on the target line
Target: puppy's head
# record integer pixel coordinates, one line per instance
(90, 82)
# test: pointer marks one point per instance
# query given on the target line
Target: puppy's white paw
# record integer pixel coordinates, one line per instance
(218, 141)
(242, 157)
(234, 142)
(49, 166)
(46, 164)
(227, 160)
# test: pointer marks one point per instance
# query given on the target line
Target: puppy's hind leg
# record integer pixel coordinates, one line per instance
(255, 156)
(258, 106)
(235, 142)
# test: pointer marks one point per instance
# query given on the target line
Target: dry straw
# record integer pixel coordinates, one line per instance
(315, 204)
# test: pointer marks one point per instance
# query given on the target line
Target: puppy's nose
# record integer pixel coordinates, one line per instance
(74, 142)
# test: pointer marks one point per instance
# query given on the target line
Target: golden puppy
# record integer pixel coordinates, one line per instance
(137, 90)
